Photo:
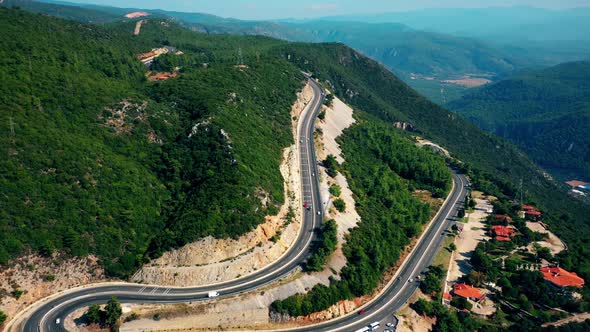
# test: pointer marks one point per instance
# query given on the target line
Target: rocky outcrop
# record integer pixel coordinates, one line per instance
(339, 309)
(404, 126)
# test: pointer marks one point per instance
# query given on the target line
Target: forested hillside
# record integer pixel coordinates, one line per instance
(434, 57)
(496, 164)
(97, 159)
(546, 113)
(383, 169)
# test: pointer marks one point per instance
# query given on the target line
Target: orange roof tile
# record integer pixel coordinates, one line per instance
(467, 291)
(503, 231)
(447, 296)
(533, 213)
(529, 208)
(561, 277)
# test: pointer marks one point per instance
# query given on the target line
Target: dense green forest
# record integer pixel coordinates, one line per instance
(324, 247)
(100, 160)
(546, 113)
(382, 168)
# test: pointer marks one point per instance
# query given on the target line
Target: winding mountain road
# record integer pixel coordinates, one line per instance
(44, 317)
(400, 289)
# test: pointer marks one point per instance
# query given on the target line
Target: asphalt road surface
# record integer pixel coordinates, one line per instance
(45, 317)
(380, 310)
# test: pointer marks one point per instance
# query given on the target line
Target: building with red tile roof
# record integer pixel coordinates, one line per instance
(467, 291)
(503, 233)
(576, 183)
(531, 211)
(562, 278)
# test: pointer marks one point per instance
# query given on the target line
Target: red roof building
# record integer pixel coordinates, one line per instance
(576, 183)
(468, 292)
(529, 208)
(561, 277)
(503, 233)
(447, 296)
(531, 211)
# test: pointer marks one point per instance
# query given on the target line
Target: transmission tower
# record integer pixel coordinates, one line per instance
(240, 57)
(11, 126)
(520, 191)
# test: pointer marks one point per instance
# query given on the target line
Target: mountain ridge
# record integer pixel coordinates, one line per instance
(545, 112)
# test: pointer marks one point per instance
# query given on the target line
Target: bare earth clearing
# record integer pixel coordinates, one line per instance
(39, 277)
(473, 233)
(553, 242)
(466, 242)
(468, 82)
(410, 321)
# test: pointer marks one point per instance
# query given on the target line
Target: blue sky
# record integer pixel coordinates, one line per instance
(268, 9)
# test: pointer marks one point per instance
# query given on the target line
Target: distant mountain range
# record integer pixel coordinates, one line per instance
(422, 59)
(546, 112)
(543, 35)
(516, 23)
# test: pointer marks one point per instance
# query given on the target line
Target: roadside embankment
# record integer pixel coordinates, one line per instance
(210, 260)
